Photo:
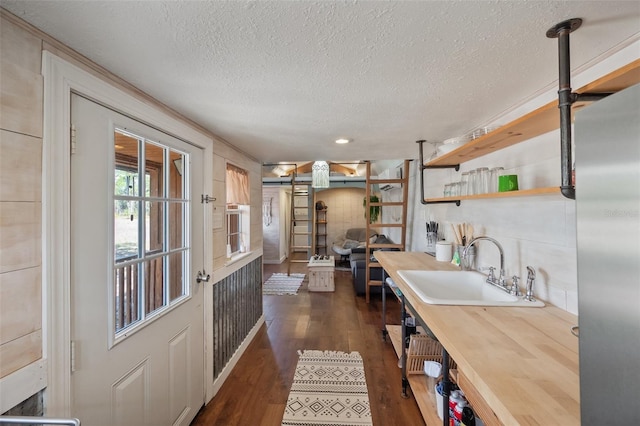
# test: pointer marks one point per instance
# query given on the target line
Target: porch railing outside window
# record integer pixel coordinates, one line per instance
(234, 229)
(150, 245)
(237, 210)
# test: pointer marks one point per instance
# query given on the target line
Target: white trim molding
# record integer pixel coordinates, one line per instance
(27, 381)
(60, 79)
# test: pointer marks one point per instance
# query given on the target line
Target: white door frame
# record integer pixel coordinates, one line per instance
(60, 79)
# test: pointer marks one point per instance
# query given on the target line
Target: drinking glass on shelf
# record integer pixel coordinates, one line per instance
(493, 178)
(447, 190)
(455, 189)
(471, 184)
(482, 180)
(464, 184)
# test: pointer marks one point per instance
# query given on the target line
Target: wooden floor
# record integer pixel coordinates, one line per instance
(256, 391)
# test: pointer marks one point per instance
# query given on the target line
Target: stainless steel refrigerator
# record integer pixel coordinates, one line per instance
(607, 156)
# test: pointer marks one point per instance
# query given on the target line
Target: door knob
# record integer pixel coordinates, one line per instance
(202, 277)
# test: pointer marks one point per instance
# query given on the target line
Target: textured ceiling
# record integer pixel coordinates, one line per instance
(283, 80)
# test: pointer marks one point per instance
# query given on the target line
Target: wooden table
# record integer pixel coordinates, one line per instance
(523, 362)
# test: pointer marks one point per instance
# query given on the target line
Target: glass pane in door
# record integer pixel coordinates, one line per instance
(149, 213)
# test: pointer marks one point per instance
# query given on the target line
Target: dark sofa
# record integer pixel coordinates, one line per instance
(359, 264)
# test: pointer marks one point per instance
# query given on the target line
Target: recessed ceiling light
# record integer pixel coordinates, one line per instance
(342, 141)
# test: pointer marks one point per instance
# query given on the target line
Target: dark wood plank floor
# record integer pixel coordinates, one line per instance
(256, 391)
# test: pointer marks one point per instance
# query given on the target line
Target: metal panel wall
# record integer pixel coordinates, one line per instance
(608, 246)
(237, 306)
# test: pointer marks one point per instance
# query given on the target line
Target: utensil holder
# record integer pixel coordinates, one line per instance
(432, 238)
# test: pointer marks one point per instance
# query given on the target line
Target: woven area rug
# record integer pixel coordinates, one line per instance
(279, 284)
(329, 388)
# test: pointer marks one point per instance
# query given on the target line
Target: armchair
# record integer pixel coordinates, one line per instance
(353, 238)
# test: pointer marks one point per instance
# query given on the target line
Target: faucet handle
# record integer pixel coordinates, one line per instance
(492, 275)
(515, 290)
(531, 277)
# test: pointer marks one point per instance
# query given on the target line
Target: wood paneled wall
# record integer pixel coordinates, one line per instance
(344, 211)
(21, 131)
(21, 88)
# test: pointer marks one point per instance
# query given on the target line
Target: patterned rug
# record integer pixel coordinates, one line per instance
(279, 284)
(329, 388)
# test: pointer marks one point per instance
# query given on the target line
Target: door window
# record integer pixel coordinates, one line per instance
(150, 245)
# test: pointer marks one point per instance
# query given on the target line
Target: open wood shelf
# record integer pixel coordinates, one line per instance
(520, 193)
(426, 400)
(538, 121)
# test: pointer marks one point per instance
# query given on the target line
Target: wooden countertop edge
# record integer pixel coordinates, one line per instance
(531, 329)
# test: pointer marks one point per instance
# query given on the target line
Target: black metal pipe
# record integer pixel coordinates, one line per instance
(561, 31)
(446, 387)
(564, 104)
(590, 97)
(421, 169)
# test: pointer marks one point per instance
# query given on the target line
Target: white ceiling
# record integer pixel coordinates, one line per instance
(282, 80)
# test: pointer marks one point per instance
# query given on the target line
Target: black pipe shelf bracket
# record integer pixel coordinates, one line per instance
(422, 168)
(566, 98)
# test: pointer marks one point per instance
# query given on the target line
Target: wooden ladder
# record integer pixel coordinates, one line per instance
(302, 216)
(404, 183)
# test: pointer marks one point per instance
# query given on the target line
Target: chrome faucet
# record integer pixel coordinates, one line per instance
(500, 282)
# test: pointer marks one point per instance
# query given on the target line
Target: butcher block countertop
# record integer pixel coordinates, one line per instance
(523, 361)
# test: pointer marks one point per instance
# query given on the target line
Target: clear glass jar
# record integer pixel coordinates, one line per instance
(494, 174)
(482, 180)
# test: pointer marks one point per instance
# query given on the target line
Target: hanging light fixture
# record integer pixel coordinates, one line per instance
(320, 174)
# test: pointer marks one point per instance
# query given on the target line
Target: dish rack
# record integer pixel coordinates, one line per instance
(423, 348)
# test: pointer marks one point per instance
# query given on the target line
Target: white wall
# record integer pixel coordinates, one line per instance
(271, 232)
(537, 231)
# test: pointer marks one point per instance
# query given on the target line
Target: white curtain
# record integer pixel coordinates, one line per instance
(237, 185)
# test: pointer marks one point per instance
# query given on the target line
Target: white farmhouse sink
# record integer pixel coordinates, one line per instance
(460, 288)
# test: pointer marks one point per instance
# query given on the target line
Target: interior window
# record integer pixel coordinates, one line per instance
(150, 250)
(237, 210)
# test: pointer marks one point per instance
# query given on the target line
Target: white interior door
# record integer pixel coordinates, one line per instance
(137, 245)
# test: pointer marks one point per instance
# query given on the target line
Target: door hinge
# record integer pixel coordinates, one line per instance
(205, 199)
(73, 139)
(72, 357)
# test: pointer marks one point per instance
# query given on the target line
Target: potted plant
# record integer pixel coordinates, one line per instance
(374, 211)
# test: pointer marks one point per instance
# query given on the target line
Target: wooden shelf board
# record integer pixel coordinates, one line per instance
(388, 225)
(538, 121)
(388, 203)
(425, 400)
(522, 193)
(386, 245)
